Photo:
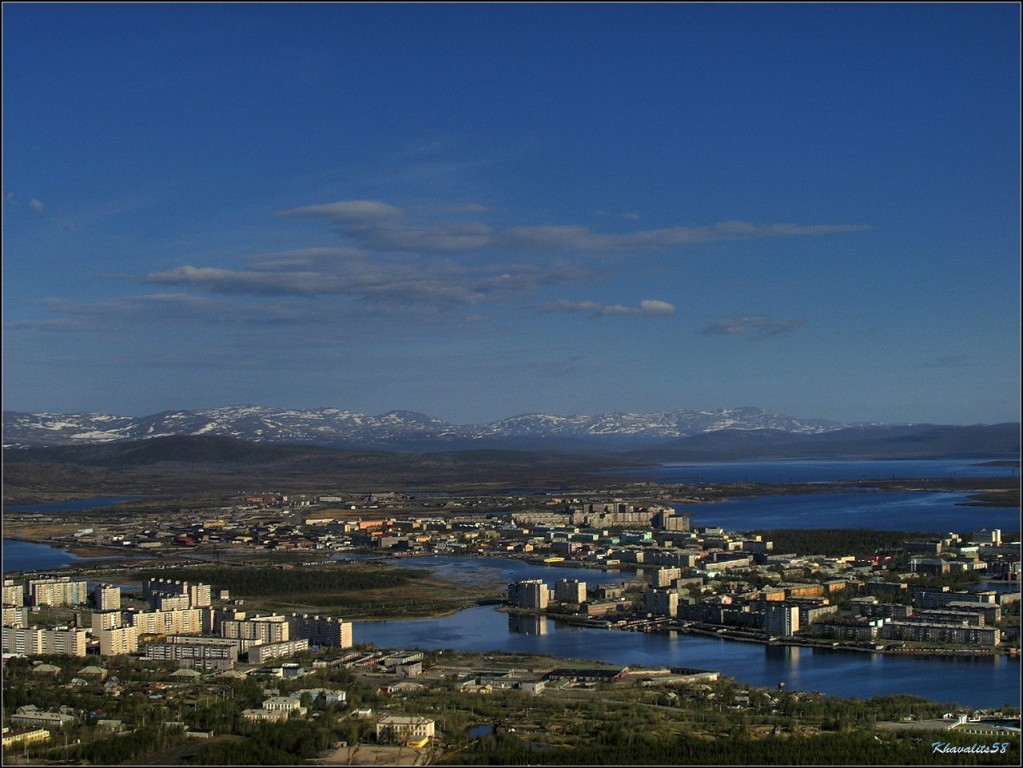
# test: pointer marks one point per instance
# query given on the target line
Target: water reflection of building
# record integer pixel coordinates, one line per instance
(527, 624)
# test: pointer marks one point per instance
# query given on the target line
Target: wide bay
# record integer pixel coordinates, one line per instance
(811, 471)
(990, 682)
(26, 555)
(925, 511)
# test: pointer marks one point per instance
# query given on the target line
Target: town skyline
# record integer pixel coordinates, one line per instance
(480, 211)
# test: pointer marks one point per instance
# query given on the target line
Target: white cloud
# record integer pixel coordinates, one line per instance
(647, 307)
(384, 282)
(381, 227)
(350, 212)
(583, 239)
(751, 327)
(654, 307)
(36, 205)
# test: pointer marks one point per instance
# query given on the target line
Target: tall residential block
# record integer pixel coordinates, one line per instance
(15, 616)
(58, 592)
(781, 619)
(531, 593)
(188, 622)
(661, 602)
(570, 591)
(267, 629)
(107, 597)
(106, 620)
(14, 592)
(197, 595)
(59, 640)
(320, 631)
(117, 641)
(664, 577)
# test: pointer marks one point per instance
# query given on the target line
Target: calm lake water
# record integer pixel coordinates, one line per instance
(876, 510)
(990, 682)
(74, 506)
(26, 556)
(805, 471)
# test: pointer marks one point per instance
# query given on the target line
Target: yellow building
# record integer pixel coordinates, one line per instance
(24, 736)
(397, 728)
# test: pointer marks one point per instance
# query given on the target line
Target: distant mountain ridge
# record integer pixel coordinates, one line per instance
(395, 429)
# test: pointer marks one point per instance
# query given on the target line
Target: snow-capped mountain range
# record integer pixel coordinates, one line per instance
(336, 427)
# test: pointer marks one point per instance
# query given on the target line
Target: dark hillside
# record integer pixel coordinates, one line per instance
(900, 442)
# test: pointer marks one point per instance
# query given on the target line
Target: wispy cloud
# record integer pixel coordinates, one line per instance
(381, 226)
(353, 213)
(583, 239)
(647, 307)
(36, 205)
(751, 327)
(438, 283)
(441, 260)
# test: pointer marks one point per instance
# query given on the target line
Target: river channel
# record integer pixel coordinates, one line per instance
(982, 682)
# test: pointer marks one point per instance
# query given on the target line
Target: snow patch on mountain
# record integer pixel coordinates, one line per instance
(333, 426)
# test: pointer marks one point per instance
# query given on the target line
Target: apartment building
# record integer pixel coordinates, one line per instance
(323, 631)
(170, 602)
(855, 628)
(15, 616)
(267, 629)
(260, 654)
(13, 592)
(938, 616)
(199, 595)
(107, 597)
(195, 652)
(661, 602)
(187, 622)
(570, 591)
(665, 577)
(530, 593)
(58, 592)
(781, 619)
(117, 641)
(941, 633)
(58, 640)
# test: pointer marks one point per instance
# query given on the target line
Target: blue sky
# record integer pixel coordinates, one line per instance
(477, 211)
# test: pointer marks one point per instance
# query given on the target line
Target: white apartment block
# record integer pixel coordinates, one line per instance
(14, 592)
(260, 654)
(107, 597)
(530, 593)
(106, 620)
(188, 622)
(15, 616)
(70, 642)
(117, 641)
(171, 602)
(58, 592)
(268, 629)
(320, 631)
(198, 595)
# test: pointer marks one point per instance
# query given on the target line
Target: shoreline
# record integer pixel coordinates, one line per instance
(797, 643)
